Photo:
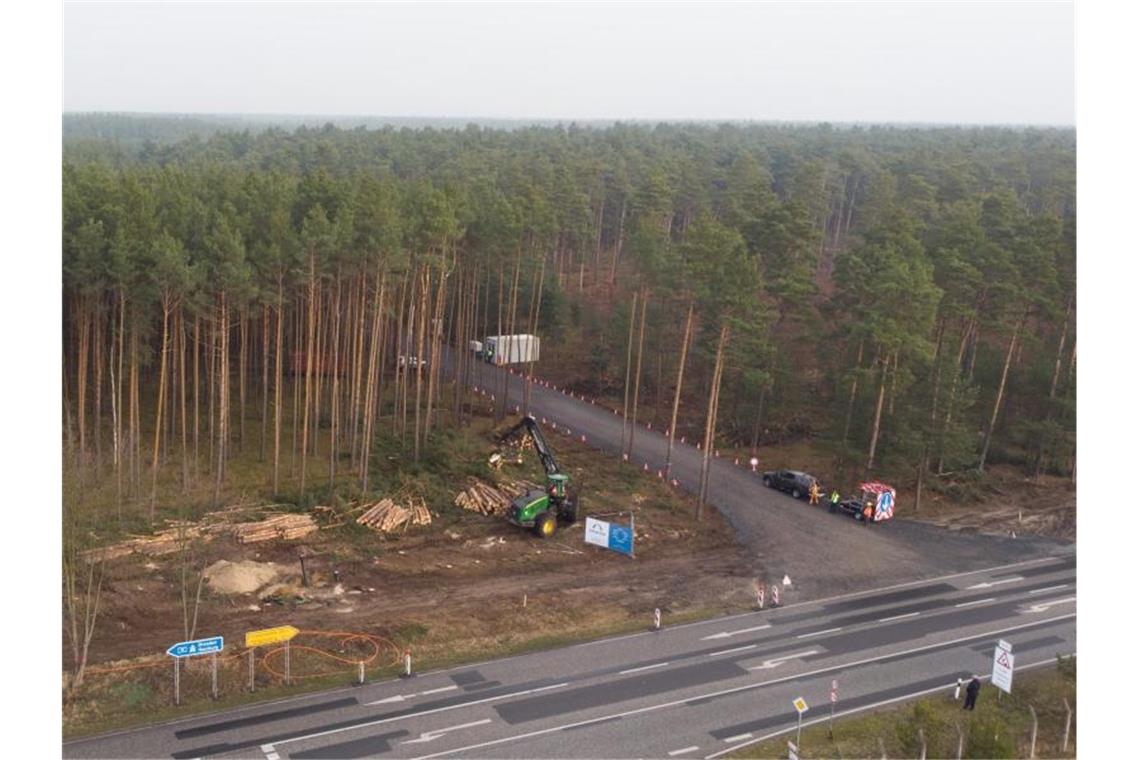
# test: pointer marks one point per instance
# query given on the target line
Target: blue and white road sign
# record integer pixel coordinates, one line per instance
(612, 536)
(197, 647)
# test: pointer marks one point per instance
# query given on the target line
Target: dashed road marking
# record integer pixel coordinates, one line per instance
(976, 601)
(899, 617)
(643, 667)
(683, 750)
(738, 738)
(818, 633)
(730, 651)
(1050, 588)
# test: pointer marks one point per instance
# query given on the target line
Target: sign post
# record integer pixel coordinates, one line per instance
(214, 675)
(1002, 673)
(801, 706)
(266, 636)
(831, 718)
(195, 648)
(612, 536)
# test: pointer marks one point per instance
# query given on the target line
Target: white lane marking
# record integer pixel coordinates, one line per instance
(710, 621)
(792, 727)
(683, 750)
(739, 689)
(899, 617)
(403, 697)
(988, 584)
(818, 633)
(380, 721)
(1048, 589)
(726, 634)
(643, 667)
(730, 651)
(273, 756)
(1042, 606)
(437, 691)
(267, 748)
(738, 738)
(976, 601)
(428, 736)
(775, 662)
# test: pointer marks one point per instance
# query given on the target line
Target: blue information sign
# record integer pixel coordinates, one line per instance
(621, 539)
(197, 647)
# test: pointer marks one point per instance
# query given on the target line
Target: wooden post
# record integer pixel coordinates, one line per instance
(177, 694)
(961, 739)
(214, 675)
(1068, 721)
(1033, 734)
(288, 673)
(252, 685)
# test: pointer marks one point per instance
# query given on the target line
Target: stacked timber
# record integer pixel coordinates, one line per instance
(482, 498)
(385, 516)
(285, 527)
(420, 513)
(489, 500)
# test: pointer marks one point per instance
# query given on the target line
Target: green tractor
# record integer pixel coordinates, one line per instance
(542, 509)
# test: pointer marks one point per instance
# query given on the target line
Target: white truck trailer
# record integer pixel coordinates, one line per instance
(510, 349)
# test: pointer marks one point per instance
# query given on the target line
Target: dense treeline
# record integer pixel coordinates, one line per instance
(905, 294)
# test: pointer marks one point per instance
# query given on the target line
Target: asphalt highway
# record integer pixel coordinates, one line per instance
(693, 690)
(888, 612)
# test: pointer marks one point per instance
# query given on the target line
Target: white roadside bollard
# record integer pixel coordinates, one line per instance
(760, 597)
(958, 690)
(775, 595)
(657, 618)
(407, 664)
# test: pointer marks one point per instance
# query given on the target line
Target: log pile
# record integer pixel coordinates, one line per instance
(482, 498)
(387, 516)
(488, 500)
(285, 527)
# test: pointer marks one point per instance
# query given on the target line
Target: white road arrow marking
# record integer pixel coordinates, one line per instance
(776, 662)
(996, 583)
(726, 634)
(1042, 606)
(404, 697)
(428, 736)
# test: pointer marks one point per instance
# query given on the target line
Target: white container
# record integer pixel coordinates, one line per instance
(510, 349)
(476, 346)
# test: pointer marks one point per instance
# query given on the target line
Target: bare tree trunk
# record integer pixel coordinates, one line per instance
(99, 336)
(967, 329)
(197, 384)
(180, 332)
(677, 391)
(851, 396)
(1038, 465)
(277, 378)
(885, 361)
(166, 307)
(710, 419)
(637, 379)
(243, 357)
(618, 243)
(223, 398)
(998, 398)
(310, 348)
(84, 320)
(333, 407)
(628, 370)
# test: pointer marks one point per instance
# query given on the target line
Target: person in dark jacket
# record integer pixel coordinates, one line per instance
(972, 690)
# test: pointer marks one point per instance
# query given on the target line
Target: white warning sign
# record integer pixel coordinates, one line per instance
(1002, 675)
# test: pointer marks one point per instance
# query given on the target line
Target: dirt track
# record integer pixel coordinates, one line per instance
(822, 553)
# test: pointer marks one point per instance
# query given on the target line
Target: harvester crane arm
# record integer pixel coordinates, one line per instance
(545, 453)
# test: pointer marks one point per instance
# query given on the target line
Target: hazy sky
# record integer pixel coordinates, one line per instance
(851, 61)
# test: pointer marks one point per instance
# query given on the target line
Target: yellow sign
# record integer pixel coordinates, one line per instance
(801, 705)
(270, 636)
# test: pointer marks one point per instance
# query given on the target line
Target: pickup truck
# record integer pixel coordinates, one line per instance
(793, 482)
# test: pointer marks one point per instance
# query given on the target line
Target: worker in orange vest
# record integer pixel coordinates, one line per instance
(813, 493)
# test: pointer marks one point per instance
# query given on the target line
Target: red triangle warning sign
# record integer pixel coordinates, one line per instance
(1003, 660)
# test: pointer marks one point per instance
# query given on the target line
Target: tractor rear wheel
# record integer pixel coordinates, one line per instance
(545, 525)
